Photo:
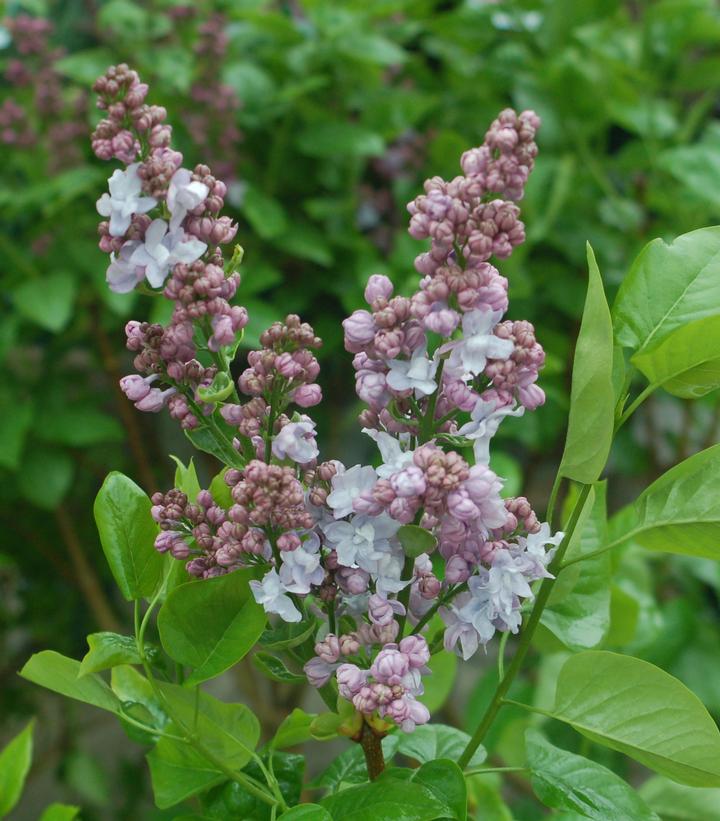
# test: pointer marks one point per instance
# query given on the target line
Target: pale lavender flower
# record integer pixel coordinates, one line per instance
(296, 441)
(485, 420)
(124, 200)
(470, 354)
(183, 195)
(347, 485)
(162, 249)
(272, 595)
(416, 374)
(361, 540)
(301, 567)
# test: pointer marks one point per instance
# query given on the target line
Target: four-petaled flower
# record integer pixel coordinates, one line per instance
(470, 354)
(124, 200)
(162, 249)
(416, 374)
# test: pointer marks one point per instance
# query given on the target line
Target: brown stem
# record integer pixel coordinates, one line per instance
(87, 580)
(126, 411)
(372, 747)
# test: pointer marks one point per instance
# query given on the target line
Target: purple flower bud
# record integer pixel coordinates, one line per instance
(350, 679)
(409, 482)
(288, 541)
(456, 570)
(417, 651)
(306, 396)
(137, 387)
(378, 287)
(318, 672)
(390, 666)
(382, 611)
(359, 330)
(328, 649)
(155, 400)
(349, 644)
(365, 701)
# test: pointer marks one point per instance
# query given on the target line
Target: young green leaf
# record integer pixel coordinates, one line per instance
(565, 781)
(667, 287)
(275, 668)
(60, 812)
(307, 812)
(108, 650)
(592, 399)
(638, 709)
(446, 781)
(212, 624)
(687, 362)
(15, 760)
(127, 534)
(186, 478)
(62, 675)
(416, 540)
(680, 511)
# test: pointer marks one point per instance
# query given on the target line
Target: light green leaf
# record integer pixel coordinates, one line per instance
(676, 802)
(127, 534)
(60, 812)
(220, 491)
(680, 511)
(687, 362)
(178, 771)
(61, 675)
(211, 624)
(108, 650)
(275, 668)
(564, 781)
(592, 401)
(446, 781)
(47, 300)
(295, 729)
(371, 48)
(84, 67)
(638, 709)
(387, 800)
(667, 287)
(265, 214)
(186, 479)
(15, 759)
(431, 741)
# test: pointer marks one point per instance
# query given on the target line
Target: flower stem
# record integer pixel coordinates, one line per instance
(372, 748)
(639, 399)
(449, 595)
(526, 634)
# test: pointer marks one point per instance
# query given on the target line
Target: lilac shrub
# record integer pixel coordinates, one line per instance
(438, 372)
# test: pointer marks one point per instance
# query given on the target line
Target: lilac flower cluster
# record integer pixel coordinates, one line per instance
(438, 370)
(164, 226)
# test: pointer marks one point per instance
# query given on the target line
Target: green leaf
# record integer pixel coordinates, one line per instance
(60, 812)
(676, 802)
(431, 741)
(186, 479)
(287, 635)
(211, 624)
(335, 138)
(387, 800)
(564, 781)
(440, 684)
(446, 781)
(265, 214)
(78, 426)
(638, 709)
(45, 476)
(371, 48)
(127, 534)
(416, 540)
(62, 675)
(307, 812)
(15, 422)
(108, 650)
(220, 491)
(219, 389)
(295, 729)
(667, 287)
(578, 610)
(84, 67)
(47, 300)
(687, 362)
(15, 760)
(680, 511)
(229, 732)
(274, 668)
(592, 401)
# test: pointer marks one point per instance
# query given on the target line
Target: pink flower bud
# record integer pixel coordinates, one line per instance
(456, 570)
(378, 287)
(390, 666)
(359, 330)
(350, 679)
(306, 396)
(417, 651)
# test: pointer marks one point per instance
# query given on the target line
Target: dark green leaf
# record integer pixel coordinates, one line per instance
(274, 668)
(416, 540)
(45, 476)
(446, 781)
(287, 635)
(60, 812)
(387, 800)
(431, 741)
(350, 768)
(307, 812)
(47, 300)
(108, 650)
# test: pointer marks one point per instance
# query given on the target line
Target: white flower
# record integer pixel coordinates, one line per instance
(162, 249)
(296, 441)
(496, 594)
(301, 567)
(530, 552)
(346, 486)
(272, 595)
(362, 540)
(416, 373)
(183, 195)
(124, 200)
(394, 456)
(471, 353)
(457, 629)
(484, 421)
(387, 571)
(122, 275)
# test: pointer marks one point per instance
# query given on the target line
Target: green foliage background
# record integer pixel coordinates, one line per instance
(346, 108)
